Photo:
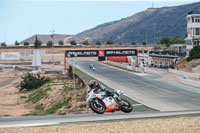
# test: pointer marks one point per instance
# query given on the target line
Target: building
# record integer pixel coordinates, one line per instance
(193, 29)
(179, 49)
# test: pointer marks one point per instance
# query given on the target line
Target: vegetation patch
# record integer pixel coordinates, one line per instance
(194, 53)
(35, 97)
(58, 105)
(31, 81)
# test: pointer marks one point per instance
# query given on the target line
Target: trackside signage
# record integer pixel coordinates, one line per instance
(85, 53)
(101, 53)
(10, 55)
(124, 52)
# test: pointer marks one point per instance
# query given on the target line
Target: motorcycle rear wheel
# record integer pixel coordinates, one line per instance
(97, 106)
(127, 107)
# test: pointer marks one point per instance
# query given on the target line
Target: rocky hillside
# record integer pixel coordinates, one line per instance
(192, 66)
(167, 21)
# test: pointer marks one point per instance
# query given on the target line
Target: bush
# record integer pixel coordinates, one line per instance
(49, 44)
(98, 43)
(73, 42)
(85, 42)
(3, 44)
(194, 53)
(16, 43)
(109, 42)
(133, 43)
(31, 82)
(26, 43)
(61, 42)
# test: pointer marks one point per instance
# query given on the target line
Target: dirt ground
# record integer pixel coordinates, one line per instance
(10, 102)
(157, 125)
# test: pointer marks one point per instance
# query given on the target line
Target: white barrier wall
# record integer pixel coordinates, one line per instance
(10, 56)
(137, 69)
(192, 75)
(190, 82)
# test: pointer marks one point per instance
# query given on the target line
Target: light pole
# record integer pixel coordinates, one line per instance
(52, 48)
(154, 34)
(74, 79)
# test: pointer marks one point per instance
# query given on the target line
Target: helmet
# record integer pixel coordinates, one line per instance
(92, 84)
(119, 92)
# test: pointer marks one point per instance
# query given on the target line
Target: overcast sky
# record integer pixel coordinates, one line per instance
(20, 19)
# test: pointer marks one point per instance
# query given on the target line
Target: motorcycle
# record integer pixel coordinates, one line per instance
(107, 101)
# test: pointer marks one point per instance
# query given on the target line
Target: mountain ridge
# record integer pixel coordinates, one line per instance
(167, 21)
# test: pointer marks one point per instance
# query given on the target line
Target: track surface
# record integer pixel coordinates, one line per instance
(146, 90)
(59, 119)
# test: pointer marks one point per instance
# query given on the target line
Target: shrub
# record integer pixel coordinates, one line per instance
(194, 53)
(31, 82)
(73, 42)
(26, 43)
(61, 42)
(49, 44)
(109, 42)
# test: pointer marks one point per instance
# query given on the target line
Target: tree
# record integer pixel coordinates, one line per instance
(49, 44)
(98, 43)
(133, 43)
(120, 43)
(85, 42)
(110, 42)
(3, 44)
(61, 42)
(144, 42)
(166, 41)
(178, 40)
(73, 42)
(16, 43)
(38, 42)
(26, 43)
(194, 53)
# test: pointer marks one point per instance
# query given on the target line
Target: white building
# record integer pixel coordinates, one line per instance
(193, 29)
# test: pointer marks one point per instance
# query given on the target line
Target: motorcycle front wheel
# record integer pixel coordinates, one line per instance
(127, 106)
(97, 106)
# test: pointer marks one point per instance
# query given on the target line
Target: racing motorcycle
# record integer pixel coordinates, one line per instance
(107, 101)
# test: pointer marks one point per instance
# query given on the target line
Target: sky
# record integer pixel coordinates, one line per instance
(20, 19)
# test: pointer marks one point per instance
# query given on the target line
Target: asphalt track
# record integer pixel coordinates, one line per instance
(146, 90)
(60, 119)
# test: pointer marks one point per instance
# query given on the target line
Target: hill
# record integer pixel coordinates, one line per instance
(167, 21)
(45, 38)
(192, 66)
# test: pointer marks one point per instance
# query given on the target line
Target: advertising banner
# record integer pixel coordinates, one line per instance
(122, 52)
(83, 53)
(101, 53)
(10, 56)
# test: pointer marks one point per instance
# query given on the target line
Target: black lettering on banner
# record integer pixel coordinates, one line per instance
(94, 53)
(83, 53)
(124, 52)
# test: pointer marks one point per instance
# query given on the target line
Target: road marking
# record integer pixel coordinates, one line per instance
(30, 125)
(151, 85)
(134, 105)
(186, 87)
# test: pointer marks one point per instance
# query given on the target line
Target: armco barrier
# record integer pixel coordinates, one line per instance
(190, 82)
(192, 75)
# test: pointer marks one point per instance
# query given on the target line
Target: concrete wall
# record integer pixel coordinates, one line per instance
(190, 82)
(192, 75)
(125, 66)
